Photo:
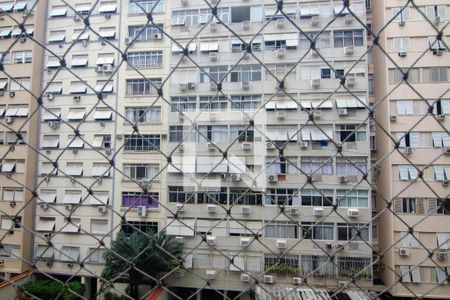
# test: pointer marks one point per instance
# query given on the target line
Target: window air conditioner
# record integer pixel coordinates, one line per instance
(315, 83)
(270, 146)
(76, 18)
(213, 56)
(69, 207)
(245, 25)
(408, 150)
(44, 206)
(180, 207)
(442, 255)
(212, 208)
(246, 210)
(235, 177)
(9, 120)
(318, 211)
(297, 280)
(54, 124)
(99, 69)
(191, 86)
(281, 244)
(402, 54)
(342, 284)
(244, 242)
(349, 50)
(142, 211)
(184, 2)
(77, 98)
(281, 115)
(315, 21)
(245, 85)
(211, 240)
(350, 81)
(349, 19)
(107, 68)
(393, 118)
(303, 145)
(245, 277)
(247, 146)
(353, 212)
(183, 87)
(50, 96)
(281, 23)
(210, 275)
(211, 146)
(317, 114)
(179, 239)
(213, 26)
(268, 279)
(342, 111)
(102, 209)
(281, 53)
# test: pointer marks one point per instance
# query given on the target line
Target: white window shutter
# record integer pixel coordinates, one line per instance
(438, 173)
(415, 273)
(403, 173)
(413, 173)
(404, 272)
(414, 139)
(398, 205)
(437, 139)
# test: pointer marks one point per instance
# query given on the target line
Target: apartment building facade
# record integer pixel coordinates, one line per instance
(254, 133)
(20, 87)
(415, 175)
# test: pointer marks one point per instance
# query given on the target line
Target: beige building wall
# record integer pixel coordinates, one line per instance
(21, 65)
(415, 203)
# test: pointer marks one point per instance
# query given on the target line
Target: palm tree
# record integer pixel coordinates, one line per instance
(131, 258)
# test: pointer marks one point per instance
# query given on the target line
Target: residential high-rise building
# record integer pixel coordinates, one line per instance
(20, 86)
(414, 163)
(266, 136)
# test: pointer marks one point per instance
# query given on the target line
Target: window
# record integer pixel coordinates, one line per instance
(408, 139)
(434, 12)
(400, 44)
(140, 171)
(317, 165)
(100, 169)
(246, 73)
(247, 102)
(74, 169)
(444, 207)
(180, 194)
(280, 71)
(443, 240)
(212, 74)
(242, 133)
(183, 104)
(435, 44)
(223, 15)
(150, 59)
(351, 165)
(9, 250)
(442, 173)
(410, 273)
(57, 36)
(280, 41)
(404, 107)
(349, 232)
(142, 33)
(105, 59)
(213, 103)
(212, 196)
(317, 265)
(435, 74)
(11, 223)
(246, 13)
(70, 254)
(145, 6)
(185, 17)
(442, 107)
(102, 141)
(44, 252)
(344, 38)
(408, 205)
(136, 87)
(351, 133)
(400, 14)
(352, 198)
(13, 194)
(22, 57)
(76, 114)
(312, 197)
(96, 255)
(213, 133)
(287, 264)
(354, 267)
(325, 73)
(243, 196)
(396, 76)
(135, 199)
(16, 111)
(143, 114)
(407, 172)
(322, 39)
(78, 87)
(207, 47)
(440, 139)
(130, 226)
(181, 133)
(281, 229)
(238, 46)
(409, 240)
(20, 84)
(142, 142)
(4, 58)
(441, 274)
(318, 231)
(281, 165)
(83, 8)
(108, 33)
(80, 35)
(282, 197)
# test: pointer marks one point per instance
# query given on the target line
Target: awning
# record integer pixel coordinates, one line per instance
(264, 291)
(72, 198)
(313, 133)
(349, 102)
(16, 32)
(20, 5)
(211, 164)
(81, 36)
(98, 199)
(208, 47)
(184, 163)
(74, 169)
(76, 114)
(83, 8)
(101, 87)
(59, 37)
(280, 37)
(58, 12)
(22, 111)
(2, 110)
(7, 7)
(78, 89)
(281, 134)
(75, 143)
(102, 114)
(3, 84)
(80, 61)
(103, 60)
(192, 48)
(51, 114)
(50, 141)
(109, 8)
(99, 170)
(11, 111)
(54, 88)
(5, 33)
(53, 64)
(108, 33)
(70, 227)
(48, 168)
(45, 225)
(8, 166)
(236, 165)
(178, 228)
(47, 196)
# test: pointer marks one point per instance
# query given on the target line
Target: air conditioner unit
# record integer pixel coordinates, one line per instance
(272, 178)
(297, 280)
(281, 115)
(281, 53)
(401, 23)
(47, 235)
(246, 210)
(445, 182)
(183, 87)
(317, 114)
(329, 246)
(342, 111)
(403, 252)
(84, 43)
(178, 274)
(294, 211)
(245, 25)
(12, 204)
(54, 124)
(75, 151)
(244, 242)
(77, 98)
(349, 50)
(184, 2)
(247, 146)
(2, 93)
(438, 52)
(442, 255)
(142, 211)
(393, 118)
(128, 40)
(180, 207)
(303, 145)
(340, 247)
(313, 53)
(12, 94)
(315, 83)
(441, 117)
(349, 19)
(69, 207)
(213, 56)
(268, 279)
(353, 212)
(108, 151)
(408, 150)
(437, 19)
(246, 55)
(102, 209)
(343, 179)
(318, 211)
(49, 263)
(50, 96)
(2, 262)
(212, 86)
(315, 21)
(211, 146)
(235, 177)
(191, 86)
(44, 206)
(107, 68)
(213, 26)
(270, 146)
(342, 284)
(179, 239)
(76, 18)
(213, 116)
(350, 81)
(212, 208)
(210, 275)
(281, 244)
(447, 150)
(99, 69)
(281, 23)
(157, 36)
(9, 120)
(245, 85)
(402, 54)
(211, 240)
(245, 277)
(107, 16)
